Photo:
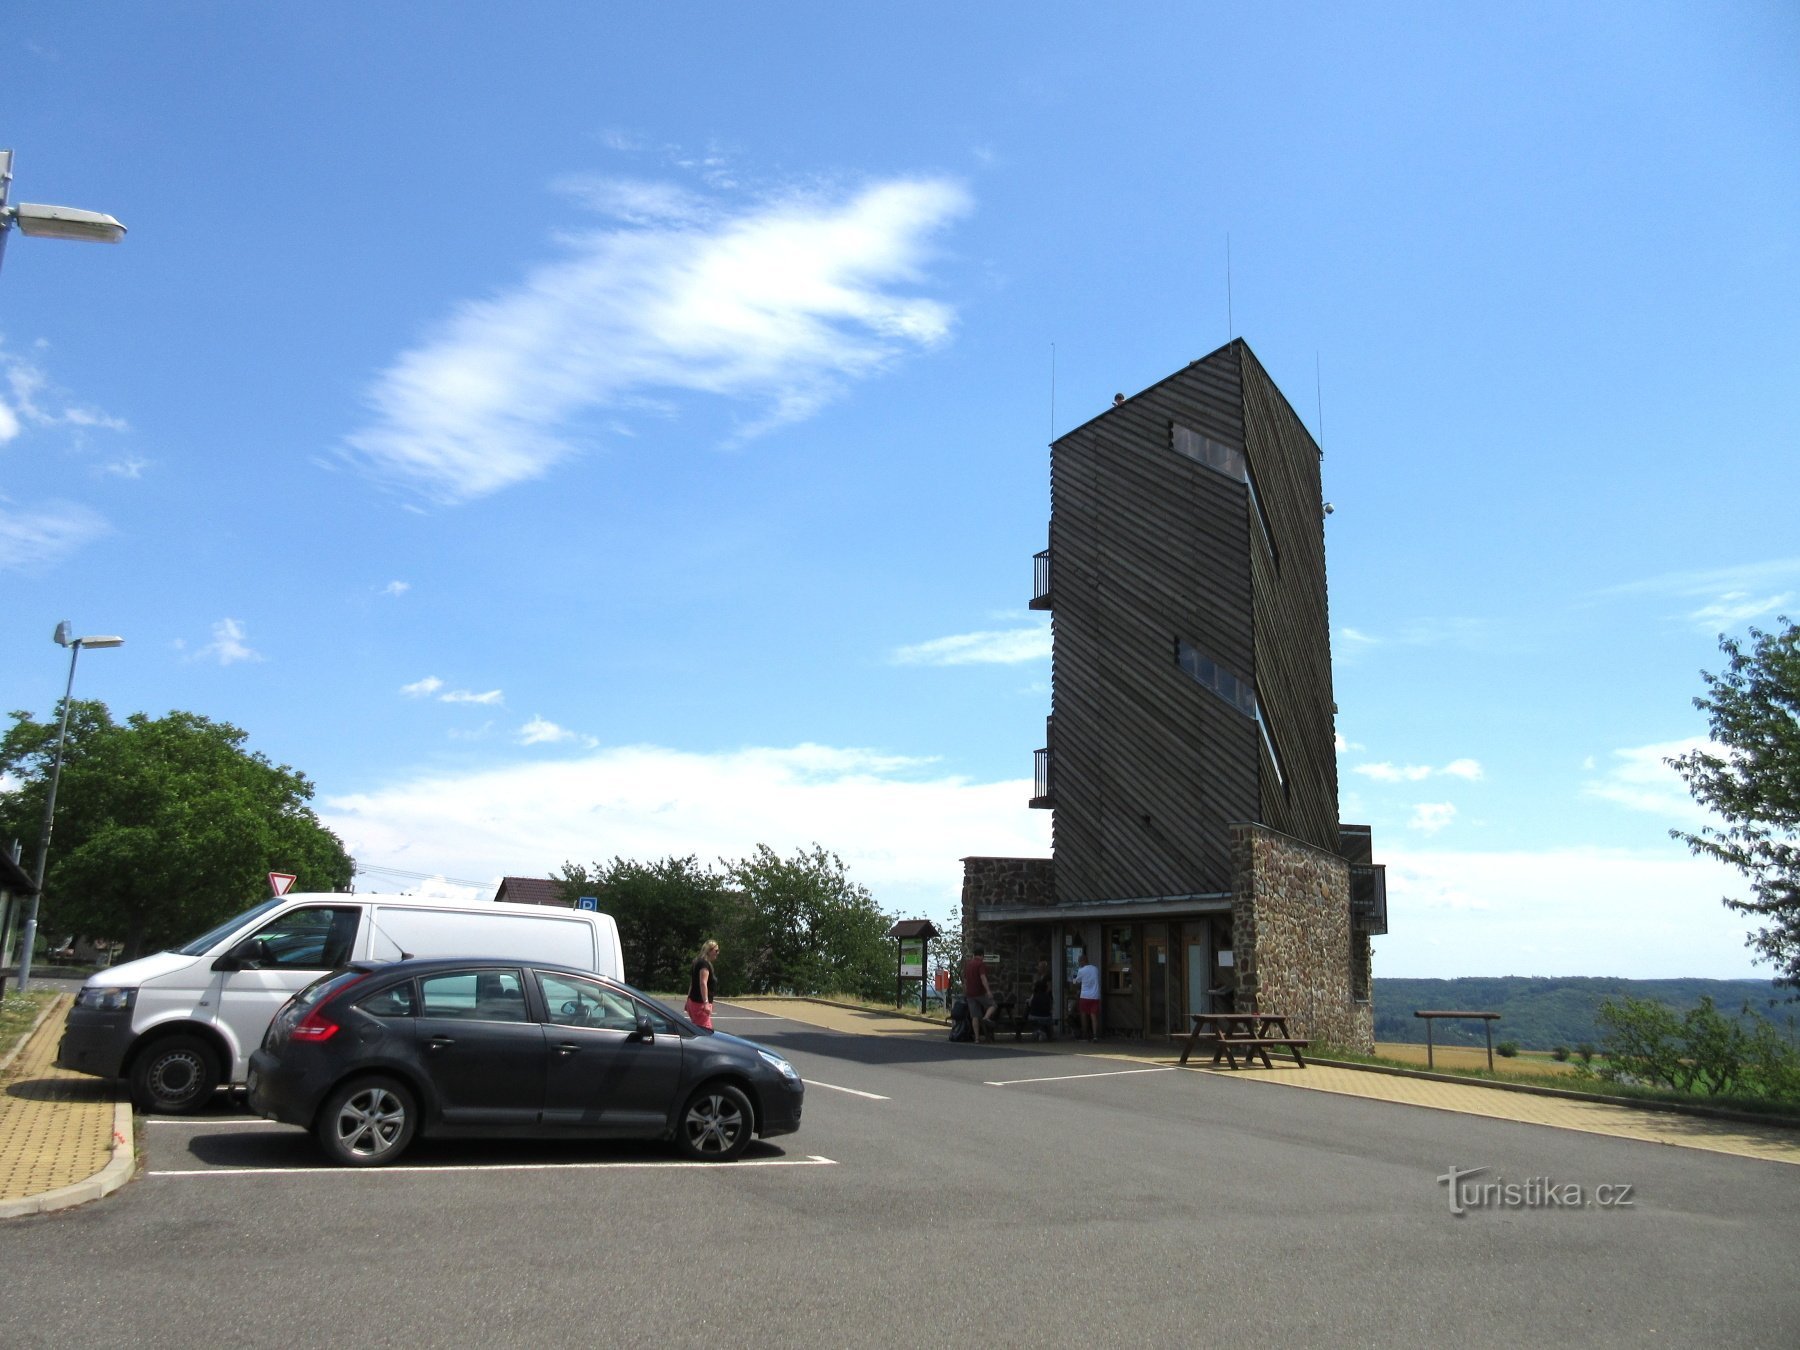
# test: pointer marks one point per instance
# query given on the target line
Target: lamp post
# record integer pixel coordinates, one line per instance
(74, 644)
(51, 222)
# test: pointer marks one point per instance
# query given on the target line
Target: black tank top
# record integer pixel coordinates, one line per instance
(712, 981)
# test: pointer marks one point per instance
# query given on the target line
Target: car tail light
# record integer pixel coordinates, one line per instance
(314, 1028)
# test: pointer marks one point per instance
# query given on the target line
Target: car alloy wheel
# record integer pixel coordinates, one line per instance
(367, 1123)
(716, 1123)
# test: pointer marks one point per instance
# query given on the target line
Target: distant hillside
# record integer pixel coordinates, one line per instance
(1543, 1013)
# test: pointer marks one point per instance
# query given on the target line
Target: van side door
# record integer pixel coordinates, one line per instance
(279, 957)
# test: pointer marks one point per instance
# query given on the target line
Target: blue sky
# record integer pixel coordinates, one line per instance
(578, 430)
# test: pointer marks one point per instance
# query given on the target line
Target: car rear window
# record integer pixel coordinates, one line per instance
(320, 990)
(394, 1001)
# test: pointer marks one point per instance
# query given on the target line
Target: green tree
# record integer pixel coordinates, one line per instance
(664, 910)
(808, 929)
(1754, 787)
(164, 826)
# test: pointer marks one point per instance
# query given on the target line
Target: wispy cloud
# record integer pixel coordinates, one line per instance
(541, 731)
(228, 646)
(28, 400)
(424, 688)
(1640, 779)
(396, 588)
(1430, 817)
(1007, 646)
(1733, 595)
(776, 305)
(491, 698)
(33, 538)
(1467, 769)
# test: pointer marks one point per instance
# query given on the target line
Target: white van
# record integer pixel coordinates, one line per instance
(179, 1023)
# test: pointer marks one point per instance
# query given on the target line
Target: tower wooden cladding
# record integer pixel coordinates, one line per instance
(1191, 679)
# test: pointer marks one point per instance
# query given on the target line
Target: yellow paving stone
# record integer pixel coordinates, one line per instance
(56, 1127)
(1774, 1143)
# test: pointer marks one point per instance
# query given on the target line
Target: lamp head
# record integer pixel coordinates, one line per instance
(65, 222)
(100, 642)
(62, 633)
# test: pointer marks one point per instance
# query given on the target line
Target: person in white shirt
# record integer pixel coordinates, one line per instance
(1088, 977)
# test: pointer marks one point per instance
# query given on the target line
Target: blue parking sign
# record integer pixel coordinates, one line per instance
(588, 902)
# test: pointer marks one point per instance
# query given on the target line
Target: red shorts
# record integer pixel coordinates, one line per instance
(1088, 1006)
(700, 1014)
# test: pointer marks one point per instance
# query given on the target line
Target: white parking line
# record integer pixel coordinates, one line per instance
(854, 1092)
(814, 1161)
(1065, 1077)
(192, 1123)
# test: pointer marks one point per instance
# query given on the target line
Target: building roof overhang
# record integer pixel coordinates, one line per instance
(1143, 907)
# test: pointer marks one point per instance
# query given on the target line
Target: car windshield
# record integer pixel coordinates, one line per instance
(201, 945)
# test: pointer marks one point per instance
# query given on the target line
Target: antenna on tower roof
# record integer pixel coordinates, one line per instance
(1319, 393)
(1230, 327)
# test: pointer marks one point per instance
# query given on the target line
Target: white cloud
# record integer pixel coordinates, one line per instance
(1640, 778)
(228, 646)
(30, 402)
(1001, 647)
(489, 699)
(1430, 817)
(1575, 911)
(396, 588)
(37, 537)
(541, 731)
(1383, 772)
(1357, 638)
(422, 688)
(130, 467)
(1736, 607)
(777, 305)
(900, 831)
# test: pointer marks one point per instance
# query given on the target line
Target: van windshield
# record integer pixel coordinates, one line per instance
(208, 940)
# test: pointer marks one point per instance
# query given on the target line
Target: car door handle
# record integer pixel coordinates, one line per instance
(439, 1042)
(568, 1048)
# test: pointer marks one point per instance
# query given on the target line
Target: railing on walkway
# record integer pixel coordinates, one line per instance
(1487, 1024)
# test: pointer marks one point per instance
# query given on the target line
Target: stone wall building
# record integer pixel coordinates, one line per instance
(1189, 759)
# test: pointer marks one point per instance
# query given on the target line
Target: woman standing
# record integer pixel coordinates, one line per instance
(702, 985)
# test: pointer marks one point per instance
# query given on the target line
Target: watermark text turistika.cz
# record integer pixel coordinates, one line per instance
(1467, 1193)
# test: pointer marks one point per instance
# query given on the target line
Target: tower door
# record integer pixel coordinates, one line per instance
(1159, 993)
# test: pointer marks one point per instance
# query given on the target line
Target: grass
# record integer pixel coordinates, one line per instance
(17, 1014)
(1537, 1069)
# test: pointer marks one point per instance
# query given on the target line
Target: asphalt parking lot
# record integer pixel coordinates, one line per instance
(939, 1192)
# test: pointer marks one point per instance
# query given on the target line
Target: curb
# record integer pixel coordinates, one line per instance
(1568, 1094)
(847, 1007)
(104, 1182)
(52, 1006)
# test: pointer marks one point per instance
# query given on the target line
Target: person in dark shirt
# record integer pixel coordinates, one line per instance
(1040, 1012)
(702, 985)
(978, 990)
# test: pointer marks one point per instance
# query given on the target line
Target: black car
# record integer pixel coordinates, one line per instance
(372, 1055)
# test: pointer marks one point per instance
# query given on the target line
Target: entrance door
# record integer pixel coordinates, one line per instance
(1158, 1014)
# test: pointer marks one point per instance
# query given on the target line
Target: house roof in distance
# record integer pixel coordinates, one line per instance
(528, 891)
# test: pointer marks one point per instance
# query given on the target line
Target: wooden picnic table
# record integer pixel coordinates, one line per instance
(1249, 1032)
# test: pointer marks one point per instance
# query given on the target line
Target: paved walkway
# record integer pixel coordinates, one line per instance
(1774, 1143)
(60, 1132)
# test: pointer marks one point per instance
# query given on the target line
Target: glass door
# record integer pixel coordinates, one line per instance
(1158, 1014)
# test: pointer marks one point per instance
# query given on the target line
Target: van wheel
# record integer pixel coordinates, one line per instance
(367, 1122)
(174, 1076)
(716, 1124)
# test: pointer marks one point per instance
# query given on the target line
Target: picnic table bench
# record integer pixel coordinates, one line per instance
(1250, 1034)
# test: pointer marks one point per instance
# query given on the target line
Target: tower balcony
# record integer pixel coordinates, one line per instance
(1040, 580)
(1043, 795)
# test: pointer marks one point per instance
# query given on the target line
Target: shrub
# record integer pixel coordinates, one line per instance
(1507, 1049)
(1586, 1052)
(1702, 1051)
(1560, 1054)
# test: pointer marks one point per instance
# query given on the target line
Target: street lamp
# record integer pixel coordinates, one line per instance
(74, 644)
(51, 222)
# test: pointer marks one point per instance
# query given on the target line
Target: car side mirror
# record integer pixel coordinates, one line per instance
(644, 1032)
(244, 956)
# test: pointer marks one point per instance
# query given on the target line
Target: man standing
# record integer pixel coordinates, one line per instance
(979, 993)
(1088, 977)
